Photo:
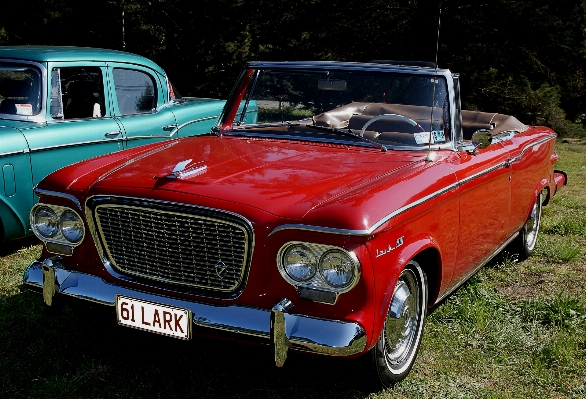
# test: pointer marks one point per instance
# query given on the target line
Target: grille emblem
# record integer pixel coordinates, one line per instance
(221, 269)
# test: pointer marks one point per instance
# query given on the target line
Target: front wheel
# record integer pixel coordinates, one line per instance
(395, 351)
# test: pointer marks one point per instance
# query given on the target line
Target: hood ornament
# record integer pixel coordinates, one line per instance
(180, 171)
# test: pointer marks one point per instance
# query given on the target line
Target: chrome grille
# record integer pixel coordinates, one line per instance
(174, 247)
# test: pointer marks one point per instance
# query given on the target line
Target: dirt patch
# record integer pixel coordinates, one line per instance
(568, 279)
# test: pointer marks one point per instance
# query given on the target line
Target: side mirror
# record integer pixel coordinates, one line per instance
(481, 139)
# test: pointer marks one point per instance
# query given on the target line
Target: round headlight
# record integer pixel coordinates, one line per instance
(299, 262)
(46, 222)
(71, 226)
(337, 268)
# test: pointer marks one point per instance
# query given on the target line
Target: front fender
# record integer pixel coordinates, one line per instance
(12, 224)
(16, 192)
(390, 253)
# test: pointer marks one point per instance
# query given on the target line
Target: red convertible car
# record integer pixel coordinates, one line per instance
(332, 205)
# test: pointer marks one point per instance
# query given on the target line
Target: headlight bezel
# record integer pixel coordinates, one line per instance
(63, 235)
(317, 281)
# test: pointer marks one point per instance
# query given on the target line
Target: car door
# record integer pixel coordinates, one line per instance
(79, 120)
(485, 205)
(140, 104)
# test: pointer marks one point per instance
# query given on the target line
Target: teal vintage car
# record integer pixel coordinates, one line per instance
(60, 105)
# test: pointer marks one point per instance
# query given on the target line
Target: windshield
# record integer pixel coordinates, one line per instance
(396, 109)
(19, 89)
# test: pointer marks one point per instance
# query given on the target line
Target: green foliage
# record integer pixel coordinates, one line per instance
(524, 58)
(288, 113)
(3, 36)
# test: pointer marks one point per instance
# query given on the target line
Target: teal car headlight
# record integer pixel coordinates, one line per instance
(57, 224)
(318, 266)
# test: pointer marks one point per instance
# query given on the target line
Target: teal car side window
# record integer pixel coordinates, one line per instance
(77, 93)
(135, 91)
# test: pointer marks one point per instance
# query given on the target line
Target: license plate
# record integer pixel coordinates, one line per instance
(153, 317)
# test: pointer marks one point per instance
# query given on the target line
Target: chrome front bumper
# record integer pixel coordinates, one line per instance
(281, 329)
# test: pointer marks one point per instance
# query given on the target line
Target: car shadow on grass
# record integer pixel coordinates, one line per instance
(68, 351)
(13, 246)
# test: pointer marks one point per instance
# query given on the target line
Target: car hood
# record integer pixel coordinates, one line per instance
(284, 178)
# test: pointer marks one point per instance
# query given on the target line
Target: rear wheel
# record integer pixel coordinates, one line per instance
(395, 351)
(525, 242)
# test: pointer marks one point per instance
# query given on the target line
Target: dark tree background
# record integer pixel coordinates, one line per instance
(525, 58)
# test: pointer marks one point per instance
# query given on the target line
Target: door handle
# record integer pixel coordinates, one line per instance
(112, 134)
(168, 128)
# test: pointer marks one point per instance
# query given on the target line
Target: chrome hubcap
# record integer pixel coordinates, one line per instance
(402, 320)
(532, 226)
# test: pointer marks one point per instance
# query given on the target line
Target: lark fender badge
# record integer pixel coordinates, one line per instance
(382, 252)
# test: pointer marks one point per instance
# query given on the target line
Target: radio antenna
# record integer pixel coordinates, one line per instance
(431, 157)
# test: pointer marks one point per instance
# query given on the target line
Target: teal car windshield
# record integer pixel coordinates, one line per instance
(20, 89)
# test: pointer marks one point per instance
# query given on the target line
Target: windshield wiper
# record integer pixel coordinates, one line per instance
(263, 125)
(239, 132)
(350, 133)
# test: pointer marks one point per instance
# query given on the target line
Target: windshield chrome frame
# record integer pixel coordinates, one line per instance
(41, 116)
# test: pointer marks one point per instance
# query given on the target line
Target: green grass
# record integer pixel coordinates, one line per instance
(515, 330)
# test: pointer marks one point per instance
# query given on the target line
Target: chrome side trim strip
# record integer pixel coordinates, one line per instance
(7, 154)
(162, 136)
(78, 144)
(483, 172)
(70, 197)
(301, 332)
(543, 140)
(207, 118)
(370, 230)
(373, 228)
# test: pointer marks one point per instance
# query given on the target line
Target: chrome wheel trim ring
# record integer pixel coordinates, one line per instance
(532, 225)
(402, 322)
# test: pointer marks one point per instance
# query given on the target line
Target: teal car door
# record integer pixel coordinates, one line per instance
(80, 123)
(140, 104)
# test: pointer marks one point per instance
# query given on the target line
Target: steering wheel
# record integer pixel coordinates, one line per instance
(391, 116)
